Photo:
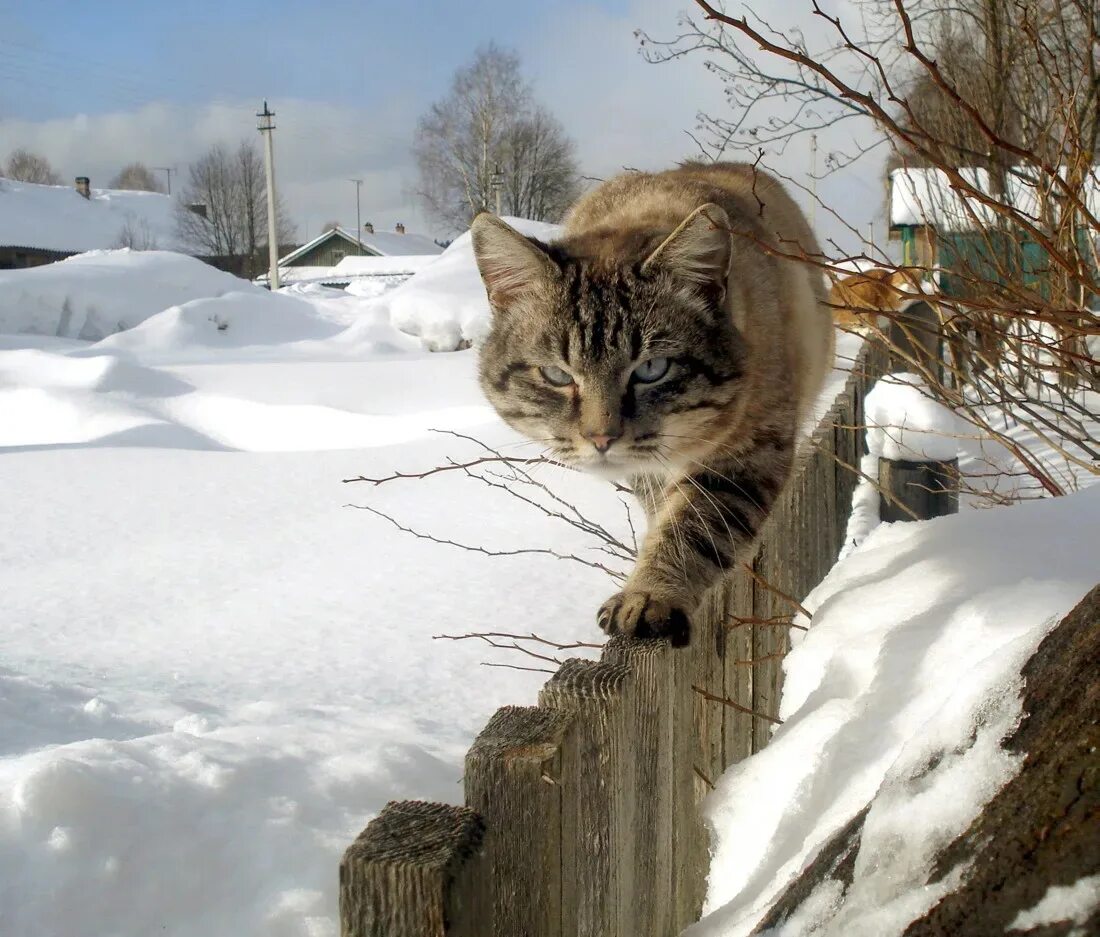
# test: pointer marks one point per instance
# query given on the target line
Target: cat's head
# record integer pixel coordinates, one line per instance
(618, 360)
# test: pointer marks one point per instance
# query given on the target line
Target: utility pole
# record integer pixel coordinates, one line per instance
(267, 128)
(358, 219)
(166, 169)
(497, 182)
(813, 181)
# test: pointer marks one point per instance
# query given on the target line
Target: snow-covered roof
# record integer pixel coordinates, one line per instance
(409, 264)
(58, 218)
(926, 197)
(353, 267)
(383, 244)
(392, 244)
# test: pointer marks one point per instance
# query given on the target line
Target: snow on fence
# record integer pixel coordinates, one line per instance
(582, 813)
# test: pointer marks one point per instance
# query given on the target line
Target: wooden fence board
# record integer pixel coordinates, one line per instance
(412, 873)
(648, 775)
(597, 806)
(512, 779)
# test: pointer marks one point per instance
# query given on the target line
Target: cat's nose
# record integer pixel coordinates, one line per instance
(601, 441)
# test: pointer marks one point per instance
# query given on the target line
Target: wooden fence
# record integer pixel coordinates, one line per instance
(582, 813)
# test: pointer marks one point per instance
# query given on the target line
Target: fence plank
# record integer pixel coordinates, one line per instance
(917, 490)
(708, 648)
(739, 669)
(513, 776)
(648, 774)
(597, 804)
(689, 847)
(412, 873)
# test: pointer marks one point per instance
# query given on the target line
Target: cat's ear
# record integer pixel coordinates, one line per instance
(698, 251)
(511, 266)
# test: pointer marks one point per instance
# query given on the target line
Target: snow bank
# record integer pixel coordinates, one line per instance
(897, 697)
(94, 295)
(444, 305)
(233, 320)
(215, 671)
(905, 423)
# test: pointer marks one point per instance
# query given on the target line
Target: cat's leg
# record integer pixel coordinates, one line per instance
(706, 523)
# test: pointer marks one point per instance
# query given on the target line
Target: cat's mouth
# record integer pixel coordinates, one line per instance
(614, 466)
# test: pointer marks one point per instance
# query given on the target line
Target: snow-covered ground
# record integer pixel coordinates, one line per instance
(215, 670)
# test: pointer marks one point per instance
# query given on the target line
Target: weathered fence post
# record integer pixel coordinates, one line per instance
(513, 781)
(412, 872)
(915, 335)
(917, 490)
(598, 803)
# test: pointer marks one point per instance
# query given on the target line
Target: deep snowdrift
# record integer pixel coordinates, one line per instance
(93, 295)
(215, 671)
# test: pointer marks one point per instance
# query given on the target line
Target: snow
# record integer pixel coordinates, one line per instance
(93, 295)
(1074, 903)
(898, 698)
(58, 218)
(215, 670)
(383, 243)
(392, 244)
(926, 196)
(445, 304)
(906, 424)
(384, 266)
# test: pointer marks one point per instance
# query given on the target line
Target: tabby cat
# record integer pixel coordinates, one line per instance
(662, 340)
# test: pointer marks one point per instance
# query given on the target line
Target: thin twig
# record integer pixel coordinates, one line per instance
(741, 709)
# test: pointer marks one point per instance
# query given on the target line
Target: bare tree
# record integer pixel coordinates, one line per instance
(223, 208)
(488, 121)
(136, 177)
(990, 109)
(25, 166)
(137, 235)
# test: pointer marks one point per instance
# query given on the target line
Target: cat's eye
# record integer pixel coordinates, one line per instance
(651, 371)
(559, 377)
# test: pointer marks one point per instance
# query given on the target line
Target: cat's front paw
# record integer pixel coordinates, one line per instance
(645, 615)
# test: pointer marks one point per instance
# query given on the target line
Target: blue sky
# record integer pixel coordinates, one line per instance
(58, 58)
(96, 85)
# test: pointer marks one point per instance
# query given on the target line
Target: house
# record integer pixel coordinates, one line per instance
(43, 223)
(368, 271)
(368, 264)
(963, 238)
(329, 248)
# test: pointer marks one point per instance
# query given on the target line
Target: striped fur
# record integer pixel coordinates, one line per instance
(672, 266)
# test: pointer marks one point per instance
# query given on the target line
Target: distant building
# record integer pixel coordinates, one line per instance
(43, 223)
(328, 249)
(963, 238)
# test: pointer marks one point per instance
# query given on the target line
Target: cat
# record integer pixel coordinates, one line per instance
(661, 340)
(875, 290)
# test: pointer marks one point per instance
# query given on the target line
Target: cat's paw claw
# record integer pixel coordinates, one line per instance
(645, 615)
